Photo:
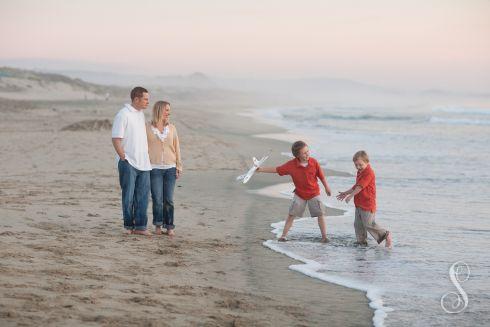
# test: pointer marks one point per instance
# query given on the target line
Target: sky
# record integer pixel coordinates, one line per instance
(399, 43)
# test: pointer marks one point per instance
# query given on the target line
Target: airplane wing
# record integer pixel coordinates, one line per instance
(256, 164)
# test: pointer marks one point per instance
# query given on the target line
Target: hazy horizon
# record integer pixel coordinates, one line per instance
(407, 44)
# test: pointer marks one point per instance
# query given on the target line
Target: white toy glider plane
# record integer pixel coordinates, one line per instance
(257, 163)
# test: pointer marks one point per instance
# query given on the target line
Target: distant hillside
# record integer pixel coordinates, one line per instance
(195, 80)
(30, 85)
(26, 86)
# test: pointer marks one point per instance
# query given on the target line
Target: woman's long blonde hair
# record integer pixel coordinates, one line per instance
(158, 108)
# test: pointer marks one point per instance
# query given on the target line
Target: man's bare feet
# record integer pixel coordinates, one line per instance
(388, 240)
(282, 239)
(158, 230)
(128, 231)
(142, 232)
(325, 240)
(170, 232)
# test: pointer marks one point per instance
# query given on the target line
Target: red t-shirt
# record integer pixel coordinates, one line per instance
(304, 178)
(366, 199)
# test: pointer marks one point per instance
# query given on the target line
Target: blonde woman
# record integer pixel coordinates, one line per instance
(164, 151)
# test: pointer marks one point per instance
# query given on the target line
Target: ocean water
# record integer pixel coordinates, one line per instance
(432, 169)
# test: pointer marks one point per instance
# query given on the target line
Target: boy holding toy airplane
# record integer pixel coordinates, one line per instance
(304, 171)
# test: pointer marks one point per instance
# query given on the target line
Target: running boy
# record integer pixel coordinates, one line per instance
(304, 171)
(364, 194)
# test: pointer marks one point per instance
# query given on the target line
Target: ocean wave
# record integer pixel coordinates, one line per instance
(464, 111)
(369, 117)
(458, 121)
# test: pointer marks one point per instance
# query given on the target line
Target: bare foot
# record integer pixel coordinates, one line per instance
(325, 240)
(128, 231)
(158, 230)
(388, 240)
(142, 232)
(170, 232)
(282, 239)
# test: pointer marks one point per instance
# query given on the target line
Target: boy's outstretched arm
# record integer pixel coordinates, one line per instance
(342, 195)
(266, 170)
(355, 190)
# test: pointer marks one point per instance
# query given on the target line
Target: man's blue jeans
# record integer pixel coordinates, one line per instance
(135, 186)
(162, 195)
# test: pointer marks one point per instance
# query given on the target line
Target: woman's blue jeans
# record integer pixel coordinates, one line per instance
(162, 195)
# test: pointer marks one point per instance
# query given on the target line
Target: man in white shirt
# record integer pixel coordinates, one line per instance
(131, 145)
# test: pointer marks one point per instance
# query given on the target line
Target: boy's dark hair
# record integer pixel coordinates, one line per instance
(297, 146)
(137, 92)
(361, 155)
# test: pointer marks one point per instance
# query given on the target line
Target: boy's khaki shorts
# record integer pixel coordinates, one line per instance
(298, 206)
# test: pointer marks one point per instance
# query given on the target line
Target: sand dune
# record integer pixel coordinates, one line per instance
(29, 85)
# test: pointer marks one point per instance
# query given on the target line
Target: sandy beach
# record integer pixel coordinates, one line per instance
(65, 260)
(391, 98)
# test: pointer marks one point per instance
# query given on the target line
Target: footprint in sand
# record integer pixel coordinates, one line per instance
(175, 264)
(164, 252)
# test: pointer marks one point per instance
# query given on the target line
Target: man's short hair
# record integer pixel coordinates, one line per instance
(137, 92)
(361, 155)
(296, 147)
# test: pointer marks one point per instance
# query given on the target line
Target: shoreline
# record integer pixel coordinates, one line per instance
(309, 267)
